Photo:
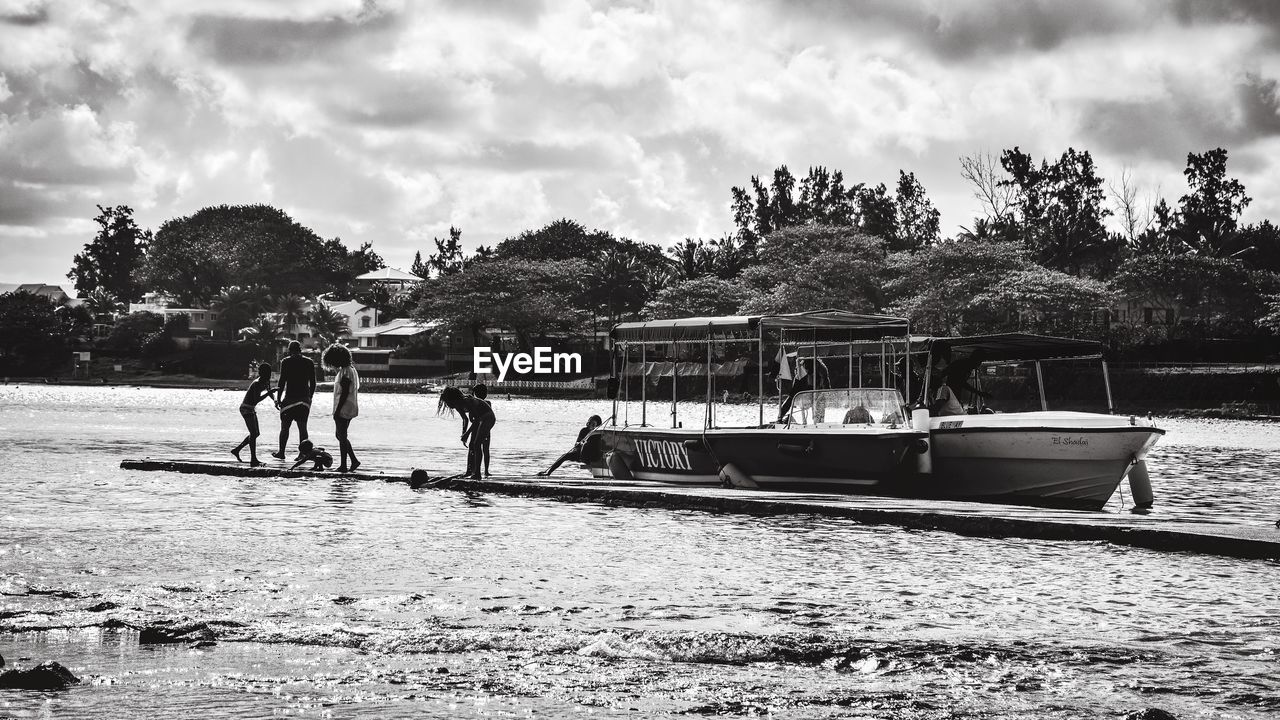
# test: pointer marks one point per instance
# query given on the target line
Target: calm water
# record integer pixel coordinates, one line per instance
(340, 598)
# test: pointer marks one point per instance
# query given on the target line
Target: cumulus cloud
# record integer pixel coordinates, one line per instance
(390, 121)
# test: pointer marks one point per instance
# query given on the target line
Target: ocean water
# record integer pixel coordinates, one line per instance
(344, 598)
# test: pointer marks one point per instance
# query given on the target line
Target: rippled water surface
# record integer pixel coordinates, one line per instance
(343, 598)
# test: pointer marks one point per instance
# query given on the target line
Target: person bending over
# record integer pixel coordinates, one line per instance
(575, 454)
(308, 453)
(260, 388)
(297, 385)
(477, 421)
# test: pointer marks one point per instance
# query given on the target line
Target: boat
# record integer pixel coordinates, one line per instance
(1041, 457)
(817, 439)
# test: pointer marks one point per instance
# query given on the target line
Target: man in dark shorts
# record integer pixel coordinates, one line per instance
(293, 394)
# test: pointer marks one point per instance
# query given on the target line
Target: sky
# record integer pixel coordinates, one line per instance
(390, 121)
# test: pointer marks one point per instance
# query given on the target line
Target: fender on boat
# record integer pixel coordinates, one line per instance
(618, 466)
(1140, 485)
(734, 477)
(920, 423)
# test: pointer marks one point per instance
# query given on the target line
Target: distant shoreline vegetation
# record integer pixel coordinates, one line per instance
(1180, 279)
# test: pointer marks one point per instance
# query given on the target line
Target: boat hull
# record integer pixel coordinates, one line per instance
(1056, 459)
(769, 457)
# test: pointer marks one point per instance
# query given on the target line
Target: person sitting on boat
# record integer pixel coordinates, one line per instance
(576, 454)
(477, 420)
(955, 376)
(858, 415)
(318, 457)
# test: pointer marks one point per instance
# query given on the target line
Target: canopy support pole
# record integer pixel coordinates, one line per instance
(675, 378)
(706, 423)
(1040, 383)
(626, 387)
(644, 380)
(760, 373)
(1106, 378)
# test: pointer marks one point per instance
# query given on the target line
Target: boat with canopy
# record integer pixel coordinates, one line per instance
(831, 427)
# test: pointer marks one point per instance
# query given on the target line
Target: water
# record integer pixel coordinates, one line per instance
(342, 598)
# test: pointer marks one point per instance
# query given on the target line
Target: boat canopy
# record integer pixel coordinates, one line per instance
(855, 326)
(1017, 346)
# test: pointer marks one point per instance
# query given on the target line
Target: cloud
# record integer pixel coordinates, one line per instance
(390, 121)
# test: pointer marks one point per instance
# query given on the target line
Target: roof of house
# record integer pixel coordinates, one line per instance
(34, 288)
(389, 274)
(346, 307)
(400, 327)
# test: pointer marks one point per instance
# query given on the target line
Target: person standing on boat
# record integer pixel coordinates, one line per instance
(293, 394)
(346, 390)
(258, 389)
(477, 420)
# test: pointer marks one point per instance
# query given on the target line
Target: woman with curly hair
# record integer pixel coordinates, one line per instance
(477, 421)
(346, 390)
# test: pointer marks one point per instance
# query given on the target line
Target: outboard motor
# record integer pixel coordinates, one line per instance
(920, 423)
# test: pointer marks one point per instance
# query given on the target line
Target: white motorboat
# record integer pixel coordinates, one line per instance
(1073, 459)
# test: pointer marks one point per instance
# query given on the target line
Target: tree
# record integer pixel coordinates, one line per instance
(102, 304)
(326, 323)
(194, 258)
(934, 287)
(533, 298)
(877, 212)
(1212, 295)
(917, 220)
(110, 260)
(448, 257)
(236, 306)
(1209, 214)
(563, 239)
(292, 310)
(816, 267)
(32, 336)
(419, 268)
(266, 333)
(987, 178)
(699, 297)
(1060, 211)
(130, 331)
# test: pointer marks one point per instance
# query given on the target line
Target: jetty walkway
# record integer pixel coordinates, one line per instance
(964, 518)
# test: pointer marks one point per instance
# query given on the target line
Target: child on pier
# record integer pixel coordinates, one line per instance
(477, 421)
(258, 389)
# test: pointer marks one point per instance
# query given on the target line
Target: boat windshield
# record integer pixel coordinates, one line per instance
(855, 406)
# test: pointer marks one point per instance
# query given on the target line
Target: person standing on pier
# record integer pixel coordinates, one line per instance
(480, 390)
(297, 385)
(477, 420)
(260, 388)
(346, 389)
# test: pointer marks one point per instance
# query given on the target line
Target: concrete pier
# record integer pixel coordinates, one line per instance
(964, 518)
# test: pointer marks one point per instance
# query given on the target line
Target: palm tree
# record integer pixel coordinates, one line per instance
(292, 310)
(326, 324)
(236, 306)
(101, 303)
(266, 333)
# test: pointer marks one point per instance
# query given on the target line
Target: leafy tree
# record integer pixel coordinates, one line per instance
(563, 239)
(292, 310)
(129, 332)
(194, 258)
(699, 297)
(419, 268)
(236, 306)
(823, 200)
(1215, 295)
(935, 286)
(326, 323)
(1209, 214)
(109, 261)
(917, 220)
(75, 322)
(267, 334)
(815, 267)
(32, 336)
(1042, 300)
(1060, 211)
(533, 298)
(877, 212)
(102, 304)
(448, 257)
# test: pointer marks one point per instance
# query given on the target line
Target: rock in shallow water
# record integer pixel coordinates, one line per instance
(45, 676)
(1149, 714)
(184, 633)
